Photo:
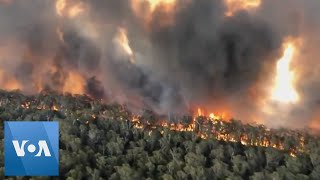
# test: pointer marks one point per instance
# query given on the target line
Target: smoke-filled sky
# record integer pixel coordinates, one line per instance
(172, 56)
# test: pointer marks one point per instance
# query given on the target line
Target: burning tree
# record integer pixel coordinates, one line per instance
(108, 141)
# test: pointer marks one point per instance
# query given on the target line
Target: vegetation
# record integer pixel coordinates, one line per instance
(105, 141)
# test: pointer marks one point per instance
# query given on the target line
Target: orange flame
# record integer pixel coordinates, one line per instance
(235, 5)
(74, 83)
(284, 90)
(212, 115)
(222, 133)
(199, 112)
(76, 10)
(165, 7)
(69, 9)
(122, 40)
(8, 82)
(155, 3)
(60, 6)
(55, 108)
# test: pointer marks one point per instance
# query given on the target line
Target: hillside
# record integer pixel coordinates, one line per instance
(106, 141)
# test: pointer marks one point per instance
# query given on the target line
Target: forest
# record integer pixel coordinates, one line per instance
(106, 141)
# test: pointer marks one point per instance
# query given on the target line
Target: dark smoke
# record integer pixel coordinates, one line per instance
(95, 89)
(202, 58)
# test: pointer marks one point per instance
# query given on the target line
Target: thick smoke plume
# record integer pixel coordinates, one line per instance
(172, 57)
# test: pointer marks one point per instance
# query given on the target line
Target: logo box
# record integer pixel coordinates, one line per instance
(31, 148)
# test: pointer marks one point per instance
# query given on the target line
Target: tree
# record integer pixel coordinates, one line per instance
(125, 172)
(220, 169)
(240, 166)
(260, 176)
(274, 158)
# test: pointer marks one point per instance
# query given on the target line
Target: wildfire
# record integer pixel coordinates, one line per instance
(55, 108)
(236, 5)
(204, 127)
(199, 112)
(25, 105)
(76, 10)
(71, 10)
(122, 40)
(74, 83)
(211, 115)
(60, 5)
(8, 82)
(283, 90)
(12, 84)
(213, 126)
(154, 3)
(164, 7)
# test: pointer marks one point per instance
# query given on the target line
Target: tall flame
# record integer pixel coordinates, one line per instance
(283, 90)
(236, 5)
(122, 40)
(200, 112)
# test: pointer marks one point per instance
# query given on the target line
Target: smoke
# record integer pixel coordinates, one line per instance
(171, 57)
(94, 88)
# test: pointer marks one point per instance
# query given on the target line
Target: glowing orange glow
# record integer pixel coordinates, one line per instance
(154, 3)
(76, 10)
(213, 116)
(55, 108)
(217, 115)
(315, 121)
(122, 40)
(199, 112)
(12, 84)
(74, 83)
(8, 82)
(69, 9)
(165, 8)
(283, 90)
(60, 6)
(236, 5)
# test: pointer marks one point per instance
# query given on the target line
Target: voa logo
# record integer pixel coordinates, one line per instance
(42, 146)
(31, 148)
